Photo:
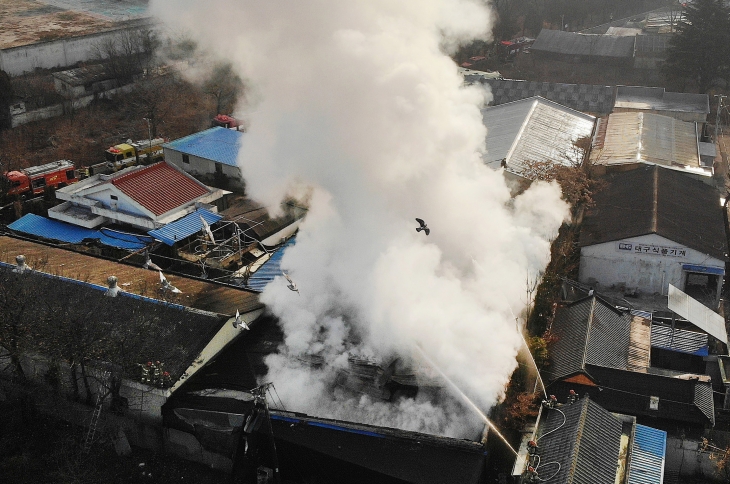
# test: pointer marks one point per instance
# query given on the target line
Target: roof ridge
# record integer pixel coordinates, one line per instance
(578, 435)
(588, 332)
(134, 173)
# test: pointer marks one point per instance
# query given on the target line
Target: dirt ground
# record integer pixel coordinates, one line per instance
(27, 21)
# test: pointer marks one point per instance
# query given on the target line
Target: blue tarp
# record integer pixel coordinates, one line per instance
(215, 144)
(647, 456)
(56, 230)
(184, 227)
(269, 270)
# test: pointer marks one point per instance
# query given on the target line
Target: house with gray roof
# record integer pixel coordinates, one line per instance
(584, 48)
(652, 227)
(581, 442)
(607, 353)
(533, 130)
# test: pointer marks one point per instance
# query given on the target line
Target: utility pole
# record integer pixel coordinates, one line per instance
(717, 116)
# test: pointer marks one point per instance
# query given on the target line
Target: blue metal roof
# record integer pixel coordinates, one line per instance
(216, 144)
(56, 230)
(269, 270)
(703, 269)
(184, 227)
(647, 456)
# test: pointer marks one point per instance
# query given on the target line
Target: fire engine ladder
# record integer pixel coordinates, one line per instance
(91, 433)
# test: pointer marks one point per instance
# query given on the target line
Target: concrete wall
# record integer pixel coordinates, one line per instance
(203, 167)
(605, 265)
(56, 110)
(57, 53)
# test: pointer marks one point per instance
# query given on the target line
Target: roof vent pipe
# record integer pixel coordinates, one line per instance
(21, 267)
(113, 288)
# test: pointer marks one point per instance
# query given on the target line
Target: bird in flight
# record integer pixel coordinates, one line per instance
(240, 323)
(423, 226)
(291, 285)
(166, 286)
(148, 264)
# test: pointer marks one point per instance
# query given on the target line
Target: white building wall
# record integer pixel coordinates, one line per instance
(605, 265)
(202, 166)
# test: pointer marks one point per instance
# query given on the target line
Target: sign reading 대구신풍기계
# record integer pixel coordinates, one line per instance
(651, 249)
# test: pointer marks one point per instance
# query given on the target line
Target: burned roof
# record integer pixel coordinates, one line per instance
(587, 98)
(160, 188)
(576, 44)
(579, 444)
(197, 294)
(254, 219)
(656, 200)
(657, 99)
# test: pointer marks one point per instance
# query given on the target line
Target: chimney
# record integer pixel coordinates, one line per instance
(113, 288)
(21, 267)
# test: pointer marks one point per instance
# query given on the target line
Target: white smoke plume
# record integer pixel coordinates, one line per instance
(359, 102)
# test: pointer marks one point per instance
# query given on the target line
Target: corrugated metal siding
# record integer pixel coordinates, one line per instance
(215, 144)
(160, 187)
(647, 456)
(683, 341)
(533, 129)
(704, 401)
(271, 268)
(184, 227)
(608, 342)
(634, 137)
(55, 230)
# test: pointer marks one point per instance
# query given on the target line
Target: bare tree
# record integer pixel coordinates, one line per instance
(224, 86)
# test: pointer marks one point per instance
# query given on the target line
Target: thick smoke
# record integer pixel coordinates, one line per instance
(357, 104)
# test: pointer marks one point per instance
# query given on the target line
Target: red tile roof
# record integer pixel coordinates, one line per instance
(159, 188)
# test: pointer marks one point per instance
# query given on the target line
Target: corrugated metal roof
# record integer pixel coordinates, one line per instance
(587, 98)
(576, 44)
(215, 144)
(682, 340)
(184, 227)
(634, 137)
(657, 99)
(586, 444)
(647, 456)
(533, 129)
(269, 270)
(160, 187)
(56, 230)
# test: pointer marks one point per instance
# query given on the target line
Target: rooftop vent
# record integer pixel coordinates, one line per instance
(113, 288)
(21, 266)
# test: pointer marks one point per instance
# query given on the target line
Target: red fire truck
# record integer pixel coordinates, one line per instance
(34, 180)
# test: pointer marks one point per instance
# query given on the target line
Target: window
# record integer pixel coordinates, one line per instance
(70, 175)
(186, 158)
(114, 197)
(39, 183)
(219, 168)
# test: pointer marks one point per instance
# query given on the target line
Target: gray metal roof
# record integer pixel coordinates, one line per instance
(587, 98)
(637, 137)
(657, 99)
(533, 129)
(679, 340)
(576, 44)
(585, 444)
(652, 44)
(591, 331)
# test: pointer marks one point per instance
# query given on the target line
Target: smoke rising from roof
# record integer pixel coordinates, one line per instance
(358, 105)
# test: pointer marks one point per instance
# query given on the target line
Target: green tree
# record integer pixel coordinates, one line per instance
(700, 51)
